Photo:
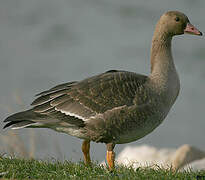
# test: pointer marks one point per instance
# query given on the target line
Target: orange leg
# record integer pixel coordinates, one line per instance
(110, 156)
(111, 160)
(86, 151)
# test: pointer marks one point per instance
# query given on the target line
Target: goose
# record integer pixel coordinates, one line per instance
(114, 107)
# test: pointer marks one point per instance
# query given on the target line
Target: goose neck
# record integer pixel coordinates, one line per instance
(161, 54)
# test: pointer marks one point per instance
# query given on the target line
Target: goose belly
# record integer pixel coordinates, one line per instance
(135, 130)
(133, 135)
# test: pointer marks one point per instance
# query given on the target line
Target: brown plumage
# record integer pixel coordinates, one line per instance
(117, 106)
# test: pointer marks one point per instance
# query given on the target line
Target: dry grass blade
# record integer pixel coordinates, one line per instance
(13, 141)
(32, 144)
(14, 144)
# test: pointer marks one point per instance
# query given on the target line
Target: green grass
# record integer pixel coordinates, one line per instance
(13, 168)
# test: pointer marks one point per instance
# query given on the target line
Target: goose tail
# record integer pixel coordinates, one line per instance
(23, 119)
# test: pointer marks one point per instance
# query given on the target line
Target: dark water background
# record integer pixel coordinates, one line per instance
(48, 42)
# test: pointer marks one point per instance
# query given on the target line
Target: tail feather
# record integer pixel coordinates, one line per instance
(18, 124)
(23, 119)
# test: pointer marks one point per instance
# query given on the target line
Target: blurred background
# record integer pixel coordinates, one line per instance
(47, 42)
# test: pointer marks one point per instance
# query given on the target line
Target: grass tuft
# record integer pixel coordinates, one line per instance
(13, 168)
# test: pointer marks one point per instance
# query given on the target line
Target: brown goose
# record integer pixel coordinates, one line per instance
(115, 107)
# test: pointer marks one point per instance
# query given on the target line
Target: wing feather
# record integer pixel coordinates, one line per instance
(57, 88)
(92, 96)
(60, 100)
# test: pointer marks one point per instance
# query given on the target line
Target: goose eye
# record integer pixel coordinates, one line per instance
(177, 19)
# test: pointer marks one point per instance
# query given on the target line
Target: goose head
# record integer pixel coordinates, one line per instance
(176, 23)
